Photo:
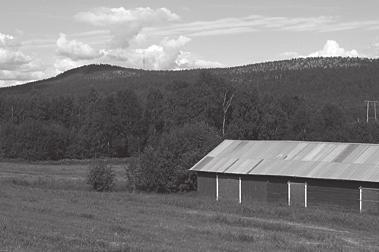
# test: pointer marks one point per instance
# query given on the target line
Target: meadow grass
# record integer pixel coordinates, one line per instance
(49, 207)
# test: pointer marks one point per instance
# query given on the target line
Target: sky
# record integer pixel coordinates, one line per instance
(42, 38)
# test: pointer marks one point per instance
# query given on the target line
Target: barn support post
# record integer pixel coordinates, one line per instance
(305, 194)
(239, 190)
(360, 199)
(289, 193)
(217, 187)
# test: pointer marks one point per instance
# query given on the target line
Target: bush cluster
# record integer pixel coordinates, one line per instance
(101, 176)
(163, 167)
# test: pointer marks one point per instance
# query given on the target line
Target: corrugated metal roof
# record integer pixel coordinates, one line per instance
(322, 160)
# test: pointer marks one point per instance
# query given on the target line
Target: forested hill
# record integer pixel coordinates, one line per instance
(344, 81)
(177, 116)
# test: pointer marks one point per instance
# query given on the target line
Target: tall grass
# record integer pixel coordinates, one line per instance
(61, 213)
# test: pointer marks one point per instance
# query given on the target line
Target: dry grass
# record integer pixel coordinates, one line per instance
(48, 207)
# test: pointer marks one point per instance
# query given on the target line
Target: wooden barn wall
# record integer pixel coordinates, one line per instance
(277, 190)
(297, 194)
(370, 200)
(206, 184)
(253, 189)
(337, 194)
(329, 193)
(228, 187)
(264, 188)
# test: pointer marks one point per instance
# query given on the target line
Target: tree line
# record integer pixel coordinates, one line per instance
(168, 128)
(122, 124)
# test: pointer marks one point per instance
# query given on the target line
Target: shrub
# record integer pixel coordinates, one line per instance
(131, 169)
(164, 167)
(101, 176)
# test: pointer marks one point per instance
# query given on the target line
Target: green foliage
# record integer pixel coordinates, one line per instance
(275, 100)
(101, 176)
(164, 167)
(33, 140)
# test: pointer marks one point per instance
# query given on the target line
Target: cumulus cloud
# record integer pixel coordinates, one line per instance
(10, 56)
(65, 64)
(15, 66)
(168, 54)
(126, 24)
(330, 49)
(6, 39)
(131, 46)
(187, 60)
(333, 49)
(75, 50)
(10, 59)
(164, 55)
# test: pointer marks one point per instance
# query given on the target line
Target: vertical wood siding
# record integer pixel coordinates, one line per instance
(206, 184)
(297, 194)
(321, 193)
(370, 200)
(228, 187)
(253, 190)
(339, 195)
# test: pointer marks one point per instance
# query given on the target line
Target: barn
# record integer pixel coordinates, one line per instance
(293, 173)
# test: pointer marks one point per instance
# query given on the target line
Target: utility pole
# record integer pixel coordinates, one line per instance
(368, 109)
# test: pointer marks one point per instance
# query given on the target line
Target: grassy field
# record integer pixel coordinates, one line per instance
(48, 207)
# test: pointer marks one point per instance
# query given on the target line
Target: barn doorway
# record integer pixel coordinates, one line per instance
(297, 194)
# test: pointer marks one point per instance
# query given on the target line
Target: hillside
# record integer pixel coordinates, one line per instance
(110, 111)
(344, 81)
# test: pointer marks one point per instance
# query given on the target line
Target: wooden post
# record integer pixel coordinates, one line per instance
(289, 193)
(368, 109)
(217, 187)
(375, 110)
(360, 199)
(368, 104)
(240, 190)
(305, 194)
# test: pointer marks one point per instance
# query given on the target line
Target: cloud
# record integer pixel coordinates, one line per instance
(6, 40)
(168, 54)
(121, 16)
(330, 49)
(65, 64)
(186, 60)
(75, 50)
(10, 59)
(126, 24)
(256, 23)
(6, 83)
(333, 49)
(15, 66)
(7, 75)
(162, 56)
(230, 25)
(25, 73)
(375, 47)
(291, 55)
(10, 56)
(251, 23)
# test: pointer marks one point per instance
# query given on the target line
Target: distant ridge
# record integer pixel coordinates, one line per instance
(281, 65)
